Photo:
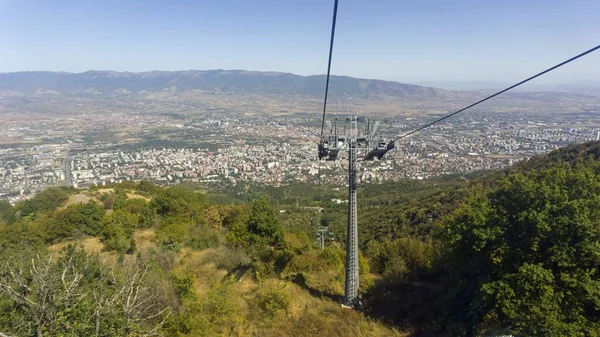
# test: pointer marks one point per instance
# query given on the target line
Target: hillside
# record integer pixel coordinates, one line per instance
(137, 260)
(110, 82)
(491, 253)
(570, 154)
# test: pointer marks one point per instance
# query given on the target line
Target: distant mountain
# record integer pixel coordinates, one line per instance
(466, 85)
(110, 82)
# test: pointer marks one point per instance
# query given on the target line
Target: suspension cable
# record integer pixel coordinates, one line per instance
(498, 93)
(333, 21)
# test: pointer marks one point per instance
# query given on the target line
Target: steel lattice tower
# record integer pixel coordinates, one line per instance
(353, 141)
(352, 266)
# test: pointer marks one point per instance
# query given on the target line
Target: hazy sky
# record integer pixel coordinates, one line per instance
(403, 40)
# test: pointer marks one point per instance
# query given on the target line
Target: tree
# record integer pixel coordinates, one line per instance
(117, 232)
(395, 259)
(46, 200)
(126, 304)
(179, 202)
(42, 289)
(7, 212)
(147, 187)
(120, 199)
(141, 209)
(88, 218)
(212, 217)
(235, 218)
(173, 233)
(77, 295)
(76, 219)
(263, 225)
(530, 250)
(20, 236)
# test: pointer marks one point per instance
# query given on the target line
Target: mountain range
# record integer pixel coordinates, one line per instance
(111, 82)
(263, 91)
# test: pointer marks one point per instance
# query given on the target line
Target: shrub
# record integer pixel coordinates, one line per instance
(170, 244)
(117, 232)
(271, 301)
(203, 241)
(7, 212)
(173, 233)
(400, 257)
(183, 282)
(115, 237)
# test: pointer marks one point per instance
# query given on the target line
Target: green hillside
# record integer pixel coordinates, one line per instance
(490, 253)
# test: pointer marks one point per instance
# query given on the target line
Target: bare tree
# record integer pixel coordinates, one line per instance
(43, 289)
(131, 298)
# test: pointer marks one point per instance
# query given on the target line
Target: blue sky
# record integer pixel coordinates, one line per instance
(404, 40)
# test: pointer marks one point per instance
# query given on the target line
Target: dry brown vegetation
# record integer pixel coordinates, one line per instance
(305, 314)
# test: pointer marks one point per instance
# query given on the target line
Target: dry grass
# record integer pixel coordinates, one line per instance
(312, 316)
(206, 271)
(90, 245)
(304, 309)
(145, 239)
(56, 248)
(136, 196)
(93, 245)
(80, 198)
(85, 197)
(306, 315)
(130, 194)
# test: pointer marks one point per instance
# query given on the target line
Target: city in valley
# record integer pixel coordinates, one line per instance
(221, 138)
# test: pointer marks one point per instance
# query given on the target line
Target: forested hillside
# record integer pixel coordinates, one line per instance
(492, 253)
(509, 253)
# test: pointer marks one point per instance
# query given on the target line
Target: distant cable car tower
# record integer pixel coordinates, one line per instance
(355, 140)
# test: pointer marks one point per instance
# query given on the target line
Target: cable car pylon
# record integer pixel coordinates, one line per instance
(357, 141)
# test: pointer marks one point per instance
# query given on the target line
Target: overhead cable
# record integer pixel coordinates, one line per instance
(498, 93)
(335, 6)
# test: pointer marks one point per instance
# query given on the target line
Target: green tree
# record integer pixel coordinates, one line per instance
(400, 257)
(147, 187)
(117, 232)
(529, 250)
(88, 218)
(20, 236)
(120, 199)
(179, 202)
(173, 233)
(7, 212)
(77, 219)
(235, 218)
(46, 200)
(263, 225)
(143, 212)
